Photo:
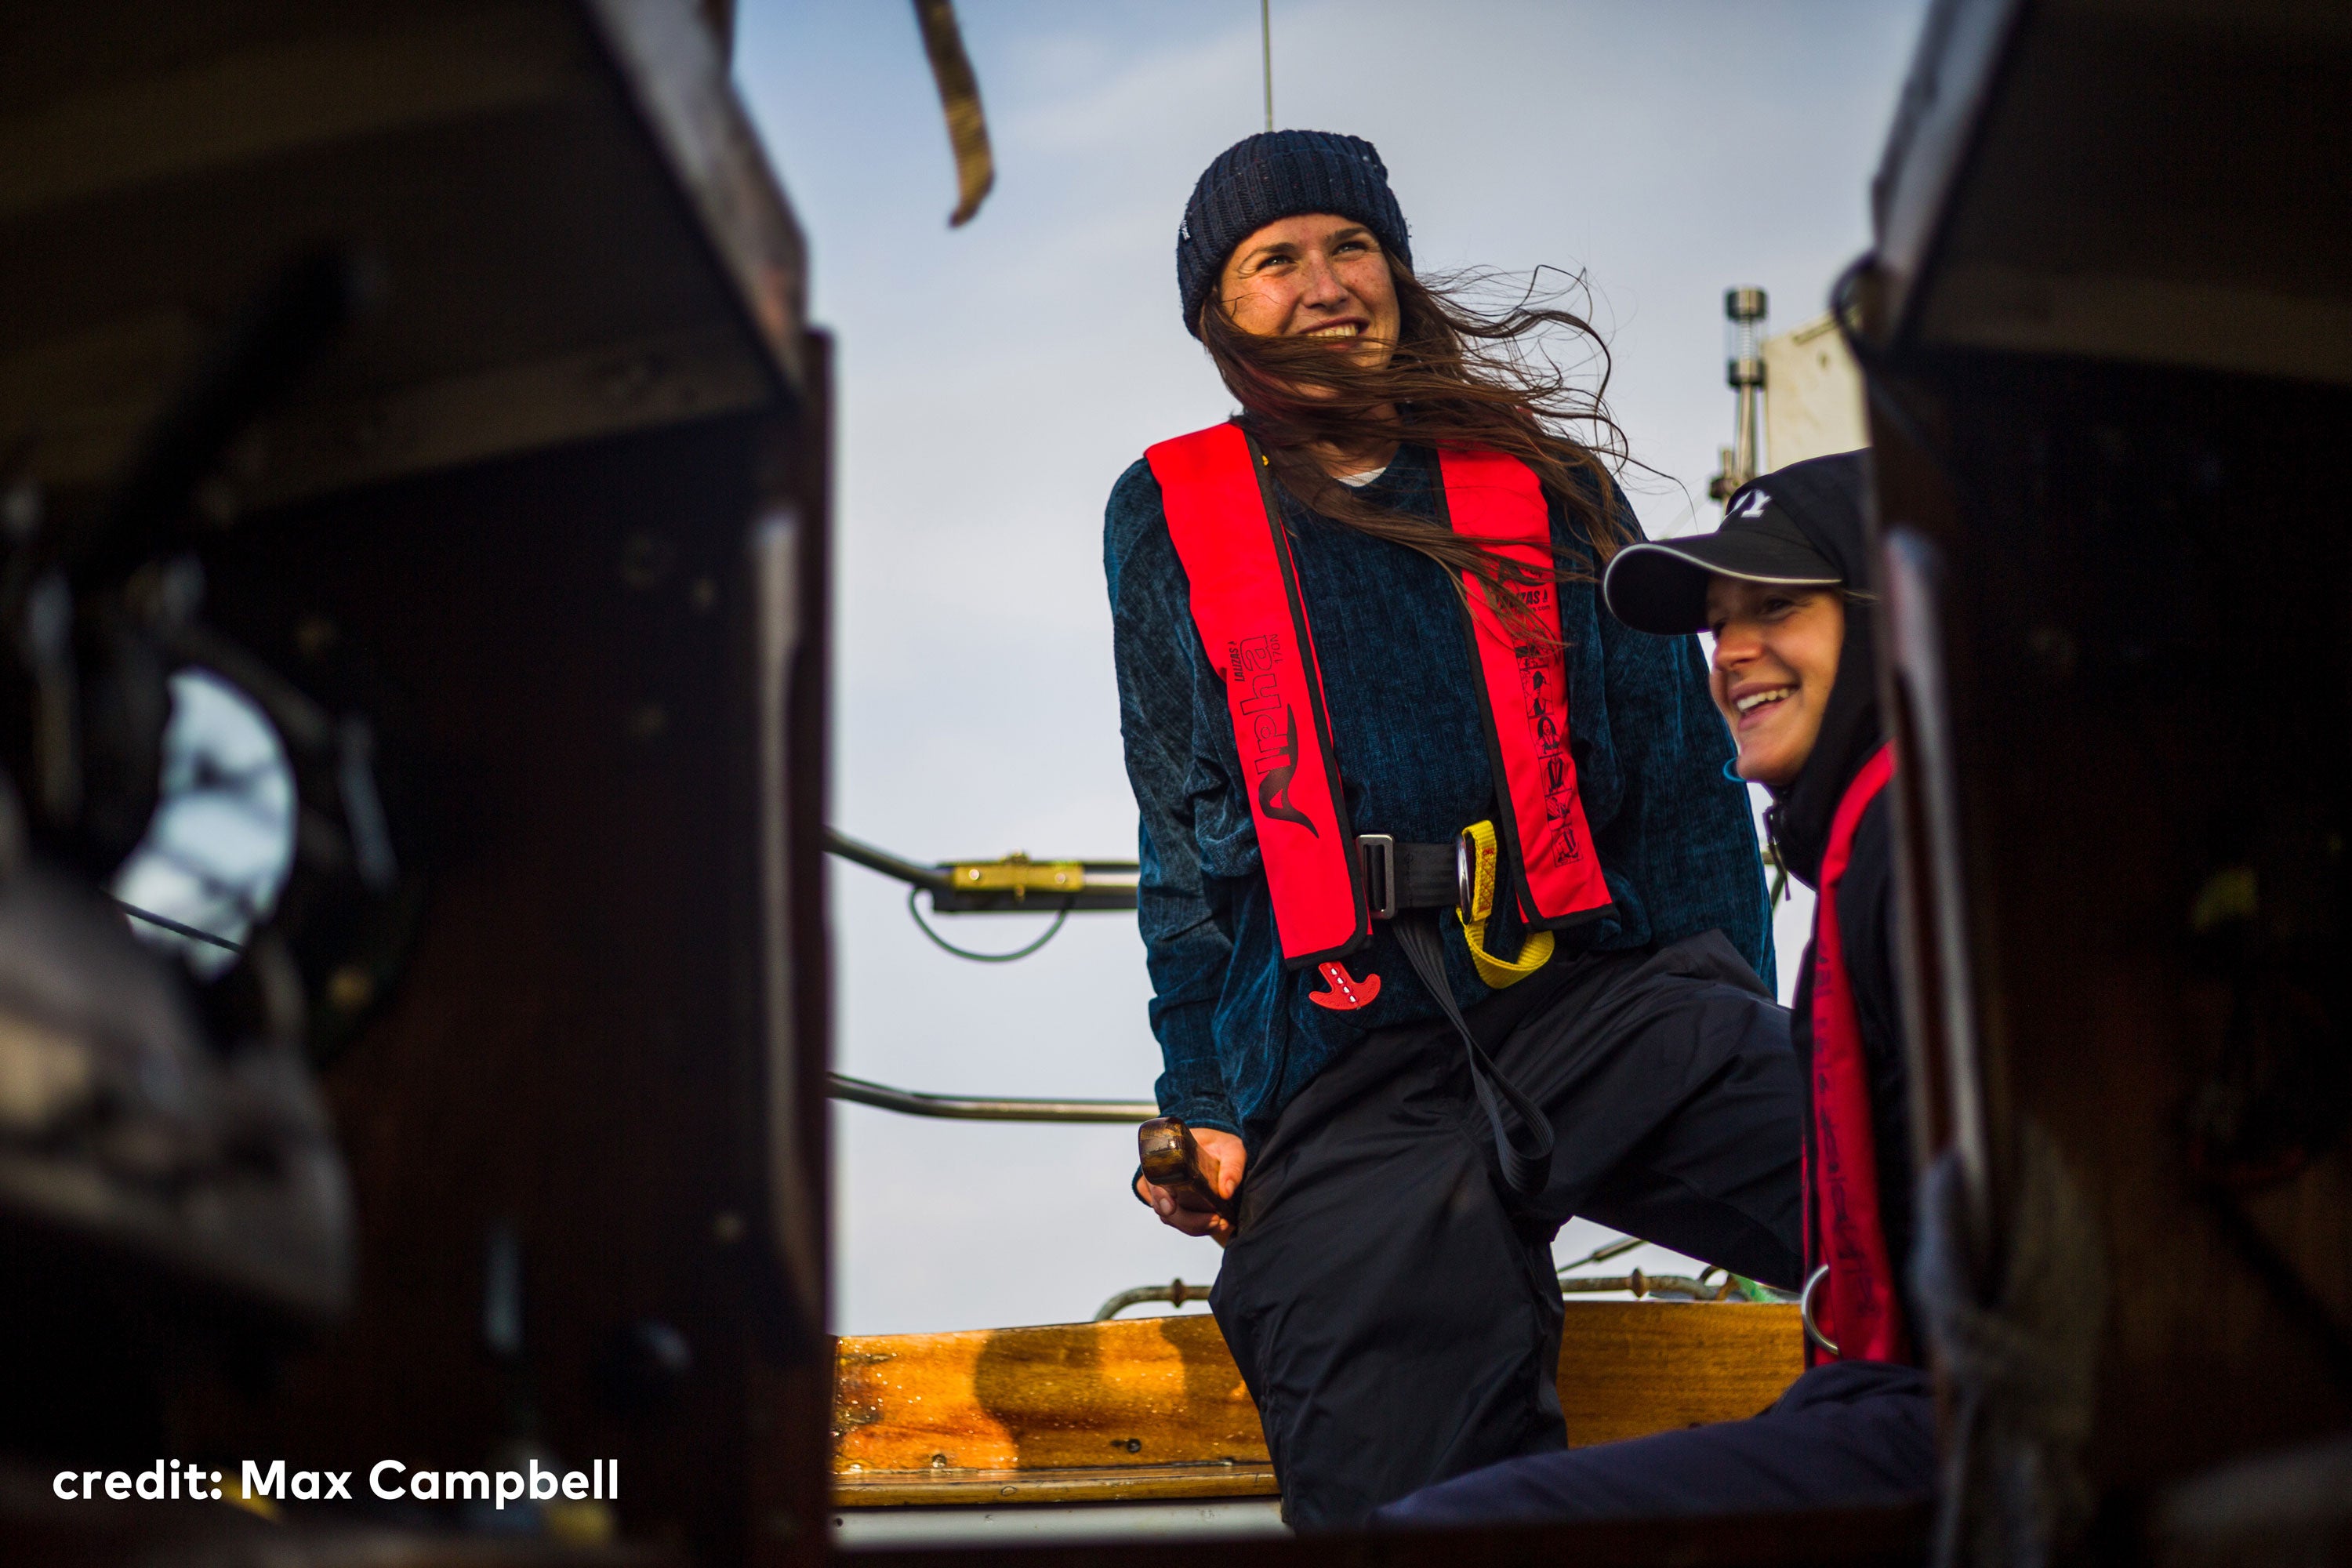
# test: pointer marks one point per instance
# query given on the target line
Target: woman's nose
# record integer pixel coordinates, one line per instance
(1323, 285)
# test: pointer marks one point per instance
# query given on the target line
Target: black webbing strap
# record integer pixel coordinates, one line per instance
(1525, 1170)
(1400, 877)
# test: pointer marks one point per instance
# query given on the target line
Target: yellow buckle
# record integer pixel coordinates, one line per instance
(1478, 863)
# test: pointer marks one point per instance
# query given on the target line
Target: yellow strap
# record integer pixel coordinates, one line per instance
(1534, 952)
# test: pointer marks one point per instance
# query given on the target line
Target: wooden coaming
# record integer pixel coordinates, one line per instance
(1154, 1407)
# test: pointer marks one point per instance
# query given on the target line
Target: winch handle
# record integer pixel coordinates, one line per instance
(1171, 1161)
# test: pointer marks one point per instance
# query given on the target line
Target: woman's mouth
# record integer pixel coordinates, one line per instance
(1343, 330)
(1755, 704)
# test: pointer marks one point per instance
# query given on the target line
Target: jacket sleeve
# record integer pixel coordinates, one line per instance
(1157, 654)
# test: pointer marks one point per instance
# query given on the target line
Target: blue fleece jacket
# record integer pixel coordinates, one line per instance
(1238, 1035)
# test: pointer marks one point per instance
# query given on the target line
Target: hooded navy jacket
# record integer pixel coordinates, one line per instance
(1825, 497)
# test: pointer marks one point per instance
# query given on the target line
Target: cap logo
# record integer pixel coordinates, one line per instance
(1754, 505)
(1184, 231)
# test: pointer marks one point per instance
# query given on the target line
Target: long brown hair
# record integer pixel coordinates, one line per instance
(1462, 376)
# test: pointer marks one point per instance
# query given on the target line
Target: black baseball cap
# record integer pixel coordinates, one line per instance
(1660, 586)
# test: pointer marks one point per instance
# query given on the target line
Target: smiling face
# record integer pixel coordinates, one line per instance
(1776, 658)
(1317, 276)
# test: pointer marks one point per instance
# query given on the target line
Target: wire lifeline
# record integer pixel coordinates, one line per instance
(920, 924)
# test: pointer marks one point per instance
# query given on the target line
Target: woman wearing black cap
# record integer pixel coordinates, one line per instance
(1793, 675)
(1454, 921)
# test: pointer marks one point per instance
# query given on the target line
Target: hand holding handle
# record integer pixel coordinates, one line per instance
(1171, 1161)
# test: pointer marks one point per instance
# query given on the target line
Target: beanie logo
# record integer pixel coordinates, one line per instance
(1184, 231)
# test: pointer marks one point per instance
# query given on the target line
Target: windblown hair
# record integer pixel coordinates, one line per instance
(1461, 377)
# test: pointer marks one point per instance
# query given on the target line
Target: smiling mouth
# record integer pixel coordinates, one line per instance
(1344, 330)
(1755, 699)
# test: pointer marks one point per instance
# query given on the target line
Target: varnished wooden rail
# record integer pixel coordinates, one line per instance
(1151, 1408)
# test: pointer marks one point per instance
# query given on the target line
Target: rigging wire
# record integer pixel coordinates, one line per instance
(923, 925)
(1266, 46)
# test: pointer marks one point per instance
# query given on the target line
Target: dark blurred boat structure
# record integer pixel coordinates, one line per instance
(2107, 338)
(543, 516)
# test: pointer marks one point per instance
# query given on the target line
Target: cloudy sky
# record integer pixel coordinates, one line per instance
(994, 381)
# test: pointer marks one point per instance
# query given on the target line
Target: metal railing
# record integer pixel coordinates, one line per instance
(1652, 1287)
(1175, 1294)
(1713, 1285)
(960, 1108)
(859, 852)
(1012, 884)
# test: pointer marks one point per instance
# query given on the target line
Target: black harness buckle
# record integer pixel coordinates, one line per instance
(1377, 855)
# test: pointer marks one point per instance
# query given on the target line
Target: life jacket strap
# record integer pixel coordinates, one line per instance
(1856, 1312)
(1400, 877)
(1525, 1162)
(1462, 877)
(1226, 523)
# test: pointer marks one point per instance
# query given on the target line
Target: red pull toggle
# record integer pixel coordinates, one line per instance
(1346, 992)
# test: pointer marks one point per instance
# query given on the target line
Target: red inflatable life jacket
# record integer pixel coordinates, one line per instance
(1227, 530)
(1858, 1308)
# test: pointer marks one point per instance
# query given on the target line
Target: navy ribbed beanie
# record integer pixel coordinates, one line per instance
(1278, 175)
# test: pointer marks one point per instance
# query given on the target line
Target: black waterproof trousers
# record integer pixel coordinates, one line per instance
(1848, 1434)
(1392, 1306)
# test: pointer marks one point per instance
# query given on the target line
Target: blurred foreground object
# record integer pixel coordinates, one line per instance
(168, 1183)
(413, 449)
(2108, 351)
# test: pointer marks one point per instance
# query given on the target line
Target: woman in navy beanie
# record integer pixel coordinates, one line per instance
(1454, 921)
